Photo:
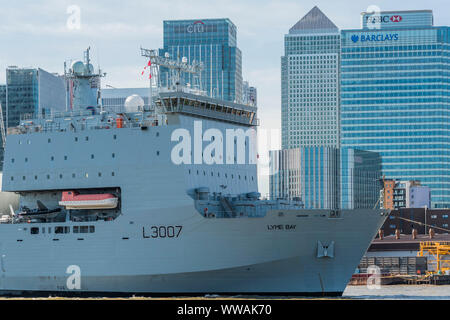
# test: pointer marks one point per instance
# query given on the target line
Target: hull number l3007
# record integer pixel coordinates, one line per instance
(162, 232)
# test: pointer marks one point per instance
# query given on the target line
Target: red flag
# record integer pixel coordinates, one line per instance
(150, 76)
(142, 73)
(149, 63)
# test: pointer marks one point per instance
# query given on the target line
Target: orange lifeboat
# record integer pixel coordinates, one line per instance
(74, 200)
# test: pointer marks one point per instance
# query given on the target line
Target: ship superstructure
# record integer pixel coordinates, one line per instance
(139, 201)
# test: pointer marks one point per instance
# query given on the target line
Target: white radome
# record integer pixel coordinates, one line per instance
(78, 67)
(134, 103)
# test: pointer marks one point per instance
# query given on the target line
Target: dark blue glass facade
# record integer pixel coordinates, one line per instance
(395, 101)
(213, 42)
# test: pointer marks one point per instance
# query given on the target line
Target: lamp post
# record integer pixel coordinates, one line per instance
(425, 227)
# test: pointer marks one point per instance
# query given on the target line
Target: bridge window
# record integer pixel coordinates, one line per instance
(34, 230)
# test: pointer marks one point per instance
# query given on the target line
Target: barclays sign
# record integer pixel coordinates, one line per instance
(374, 37)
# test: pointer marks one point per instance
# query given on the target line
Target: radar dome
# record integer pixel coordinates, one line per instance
(134, 103)
(78, 67)
(91, 68)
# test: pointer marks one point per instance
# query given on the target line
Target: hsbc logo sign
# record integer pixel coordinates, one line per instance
(382, 19)
(395, 18)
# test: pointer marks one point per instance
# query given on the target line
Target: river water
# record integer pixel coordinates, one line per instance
(424, 292)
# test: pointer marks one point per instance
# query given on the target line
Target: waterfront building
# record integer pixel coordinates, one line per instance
(326, 177)
(212, 42)
(310, 83)
(404, 194)
(32, 92)
(394, 96)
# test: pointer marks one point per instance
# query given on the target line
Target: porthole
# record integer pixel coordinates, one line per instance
(49, 140)
(76, 139)
(12, 160)
(60, 176)
(87, 138)
(113, 155)
(114, 137)
(92, 156)
(99, 174)
(12, 178)
(48, 176)
(52, 158)
(73, 175)
(112, 173)
(157, 153)
(23, 178)
(65, 157)
(157, 134)
(26, 159)
(35, 177)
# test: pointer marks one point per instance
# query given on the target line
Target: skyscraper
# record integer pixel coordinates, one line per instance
(249, 94)
(326, 177)
(212, 42)
(310, 83)
(394, 96)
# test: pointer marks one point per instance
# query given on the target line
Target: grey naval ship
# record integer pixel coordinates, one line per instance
(110, 202)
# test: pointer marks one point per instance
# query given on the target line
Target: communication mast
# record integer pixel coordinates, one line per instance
(176, 68)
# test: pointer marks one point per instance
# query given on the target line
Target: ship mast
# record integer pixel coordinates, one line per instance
(176, 68)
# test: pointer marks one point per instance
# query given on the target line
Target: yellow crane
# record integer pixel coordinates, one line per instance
(440, 254)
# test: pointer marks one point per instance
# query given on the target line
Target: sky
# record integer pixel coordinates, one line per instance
(36, 34)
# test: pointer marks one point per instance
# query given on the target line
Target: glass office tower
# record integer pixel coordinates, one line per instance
(395, 96)
(212, 42)
(326, 177)
(310, 83)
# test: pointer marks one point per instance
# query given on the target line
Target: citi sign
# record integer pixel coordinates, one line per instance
(383, 19)
(375, 37)
(196, 27)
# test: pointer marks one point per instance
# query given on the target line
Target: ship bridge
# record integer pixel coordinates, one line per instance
(202, 106)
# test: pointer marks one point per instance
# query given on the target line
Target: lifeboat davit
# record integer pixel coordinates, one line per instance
(74, 200)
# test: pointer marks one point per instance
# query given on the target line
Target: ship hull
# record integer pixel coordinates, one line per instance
(245, 256)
